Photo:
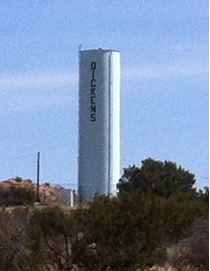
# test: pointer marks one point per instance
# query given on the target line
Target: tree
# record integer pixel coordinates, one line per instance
(124, 233)
(182, 209)
(16, 253)
(62, 237)
(38, 240)
(204, 194)
(161, 178)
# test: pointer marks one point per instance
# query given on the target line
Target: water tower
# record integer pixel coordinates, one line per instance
(99, 123)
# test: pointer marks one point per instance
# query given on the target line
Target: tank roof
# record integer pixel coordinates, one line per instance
(98, 50)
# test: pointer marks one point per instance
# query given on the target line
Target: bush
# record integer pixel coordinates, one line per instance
(124, 233)
(194, 250)
(14, 196)
(16, 250)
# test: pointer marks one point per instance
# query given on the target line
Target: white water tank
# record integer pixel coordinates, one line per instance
(99, 123)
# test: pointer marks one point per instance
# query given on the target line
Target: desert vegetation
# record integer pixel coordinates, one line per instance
(158, 221)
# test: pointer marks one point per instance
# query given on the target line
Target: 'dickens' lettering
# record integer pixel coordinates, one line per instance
(93, 92)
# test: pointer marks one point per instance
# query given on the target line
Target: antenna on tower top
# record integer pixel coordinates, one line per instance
(80, 47)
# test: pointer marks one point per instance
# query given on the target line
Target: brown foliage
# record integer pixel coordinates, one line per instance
(15, 252)
(194, 250)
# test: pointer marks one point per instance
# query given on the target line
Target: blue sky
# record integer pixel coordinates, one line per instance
(164, 86)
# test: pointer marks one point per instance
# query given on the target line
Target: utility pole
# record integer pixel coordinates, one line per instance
(38, 175)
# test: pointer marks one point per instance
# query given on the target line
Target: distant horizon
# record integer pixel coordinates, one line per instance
(74, 186)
